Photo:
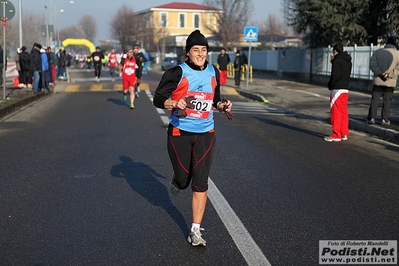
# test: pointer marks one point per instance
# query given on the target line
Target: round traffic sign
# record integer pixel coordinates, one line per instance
(9, 9)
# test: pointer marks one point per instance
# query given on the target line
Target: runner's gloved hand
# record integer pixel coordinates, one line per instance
(228, 113)
(188, 100)
(182, 112)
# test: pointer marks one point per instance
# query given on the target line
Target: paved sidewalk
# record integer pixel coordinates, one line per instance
(13, 98)
(304, 99)
(313, 101)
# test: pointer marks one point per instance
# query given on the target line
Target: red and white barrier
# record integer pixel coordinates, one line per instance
(11, 70)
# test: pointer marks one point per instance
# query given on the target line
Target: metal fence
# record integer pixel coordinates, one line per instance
(306, 61)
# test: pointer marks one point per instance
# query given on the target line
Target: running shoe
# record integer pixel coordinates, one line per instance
(124, 97)
(331, 139)
(344, 138)
(371, 121)
(173, 188)
(195, 237)
(137, 92)
(385, 122)
(131, 106)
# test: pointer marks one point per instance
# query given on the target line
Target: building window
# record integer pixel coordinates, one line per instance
(164, 19)
(196, 21)
(182, 20)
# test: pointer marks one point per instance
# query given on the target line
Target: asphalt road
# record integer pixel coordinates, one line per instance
(84, 182)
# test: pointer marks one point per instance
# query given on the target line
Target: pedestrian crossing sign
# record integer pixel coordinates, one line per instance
(251, 34)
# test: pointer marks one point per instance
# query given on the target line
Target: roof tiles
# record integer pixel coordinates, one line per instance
(184, 5)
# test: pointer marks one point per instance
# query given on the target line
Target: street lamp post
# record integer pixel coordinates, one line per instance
(50, 28)
(56, 28)
(20, 22)
(53, 13)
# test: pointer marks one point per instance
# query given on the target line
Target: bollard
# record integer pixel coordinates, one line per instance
(230, 70)
(243, 71)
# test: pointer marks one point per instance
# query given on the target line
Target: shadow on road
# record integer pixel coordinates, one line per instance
(280, 124)
(143, 179)
(118, 101)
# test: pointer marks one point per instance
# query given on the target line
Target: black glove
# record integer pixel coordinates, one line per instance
(384, 77)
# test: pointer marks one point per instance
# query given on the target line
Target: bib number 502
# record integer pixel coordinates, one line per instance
(201, 105)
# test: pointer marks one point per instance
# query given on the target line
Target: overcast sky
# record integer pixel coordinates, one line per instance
(104, 10)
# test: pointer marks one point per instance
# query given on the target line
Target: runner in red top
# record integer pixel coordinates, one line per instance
(112, 63)
(127, 69)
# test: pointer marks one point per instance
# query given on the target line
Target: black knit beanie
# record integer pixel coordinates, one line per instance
(392, 40)
(196, 38)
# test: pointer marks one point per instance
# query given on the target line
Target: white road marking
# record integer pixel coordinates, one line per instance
(164, 117)
(259, 109)
(313, 94)
(165, 120)
(251, 252)
(93, 79)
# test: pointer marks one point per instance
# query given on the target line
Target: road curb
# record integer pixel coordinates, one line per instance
(384, 133)
(21, 103)
(252, 96)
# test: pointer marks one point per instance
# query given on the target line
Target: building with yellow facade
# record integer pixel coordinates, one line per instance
(165, 28)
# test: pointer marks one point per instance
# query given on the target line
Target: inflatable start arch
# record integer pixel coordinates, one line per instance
(85, 42)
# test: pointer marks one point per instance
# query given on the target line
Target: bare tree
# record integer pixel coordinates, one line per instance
(232, 21)
(74, 31)
(153, 35)
(272, 26)
(11, 37)
(31, 29)
(122, 28)
(89, 27)
(142, 34)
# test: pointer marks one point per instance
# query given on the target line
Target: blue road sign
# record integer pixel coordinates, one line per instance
(251, 34)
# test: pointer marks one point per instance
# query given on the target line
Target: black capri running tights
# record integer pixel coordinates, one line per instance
(191, 155)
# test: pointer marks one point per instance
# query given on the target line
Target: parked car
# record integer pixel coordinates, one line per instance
(169, 62)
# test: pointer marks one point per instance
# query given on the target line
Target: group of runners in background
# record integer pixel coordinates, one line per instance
(129, 65)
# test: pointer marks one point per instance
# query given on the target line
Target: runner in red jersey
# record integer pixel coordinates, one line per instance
(112, 63)
(127, 69)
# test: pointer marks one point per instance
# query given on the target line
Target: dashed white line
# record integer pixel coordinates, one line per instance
(164, 117)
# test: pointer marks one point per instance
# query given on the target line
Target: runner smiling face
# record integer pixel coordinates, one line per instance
(197, 55)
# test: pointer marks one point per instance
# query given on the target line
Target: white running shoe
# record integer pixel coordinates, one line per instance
(331, 139)
(195, 237)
